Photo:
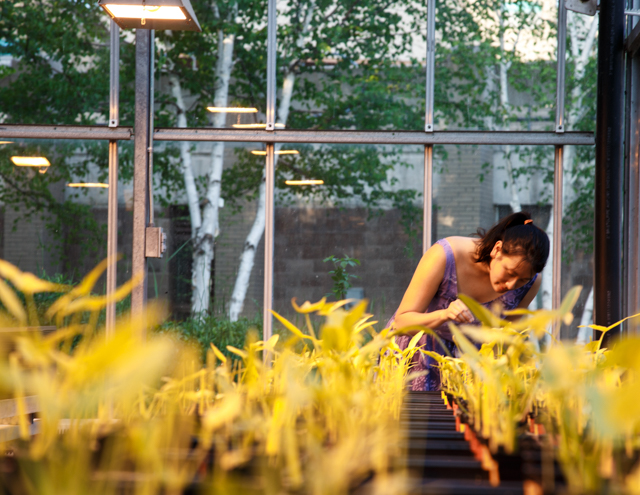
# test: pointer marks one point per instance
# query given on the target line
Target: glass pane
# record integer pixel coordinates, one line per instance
(53, 219)
(368, 208)
(49, 225)
(495, 65)
(475, 186)
(350, 65)
(58, 72)
(578, 235)
(54, 72)
(236, 263)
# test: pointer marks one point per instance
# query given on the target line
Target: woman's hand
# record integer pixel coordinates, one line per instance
(458, 312)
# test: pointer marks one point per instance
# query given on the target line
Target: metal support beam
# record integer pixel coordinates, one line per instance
(631, 255)
(608, 197)
(560, 64)
(431, 64)
(270, 175)
(558, 178)
(523, 138)
(269, 211)
(427, 206)
(272, 30)
(427, 213)
(141, 166)
(632, 43)
(112, 205)
(98, 133)
(556, 296)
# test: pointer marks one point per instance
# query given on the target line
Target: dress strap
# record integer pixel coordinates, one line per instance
(449, 286)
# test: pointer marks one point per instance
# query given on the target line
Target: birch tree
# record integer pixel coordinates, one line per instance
(317, 31)
(203, 194)
(247, 258)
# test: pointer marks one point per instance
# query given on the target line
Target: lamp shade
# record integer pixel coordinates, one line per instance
(177, 15)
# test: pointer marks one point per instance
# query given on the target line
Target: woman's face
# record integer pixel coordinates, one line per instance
(508, 272)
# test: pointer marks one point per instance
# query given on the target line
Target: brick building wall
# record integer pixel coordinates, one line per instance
(463, 202)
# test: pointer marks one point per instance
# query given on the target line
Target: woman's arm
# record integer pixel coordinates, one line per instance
(423, 287)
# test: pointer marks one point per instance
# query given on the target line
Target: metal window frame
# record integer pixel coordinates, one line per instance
(427, 138)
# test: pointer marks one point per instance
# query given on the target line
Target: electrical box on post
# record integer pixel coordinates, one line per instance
(155, 242)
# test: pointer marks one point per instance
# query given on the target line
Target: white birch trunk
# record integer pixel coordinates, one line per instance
(247, 258)
(185, 157)
(585, 334)
(203, 246)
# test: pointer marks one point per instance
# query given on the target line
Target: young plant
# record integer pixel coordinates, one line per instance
(341, 279)
(142, 415)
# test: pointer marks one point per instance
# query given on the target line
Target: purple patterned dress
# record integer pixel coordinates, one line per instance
(446, 294)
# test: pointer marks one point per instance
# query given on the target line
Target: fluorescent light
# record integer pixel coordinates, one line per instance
(6, 142)
(281, 152)
(177, 15)
(232, 110)
(304, 182)
(255, 126)
(145, 12)
(88, 184)
(30, 161)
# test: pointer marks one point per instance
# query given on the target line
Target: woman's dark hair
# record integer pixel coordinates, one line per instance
(518, 238)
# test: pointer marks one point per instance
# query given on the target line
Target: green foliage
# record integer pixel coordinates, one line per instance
(341, 279)
(212, 330)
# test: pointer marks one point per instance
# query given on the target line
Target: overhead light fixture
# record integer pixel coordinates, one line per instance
(88, 184)
(281, 152)
(232, 109)
(30, 161)
(304, 182)
(255, 126)
(177, 15)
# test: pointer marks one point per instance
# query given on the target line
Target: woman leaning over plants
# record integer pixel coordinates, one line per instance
(501, 266)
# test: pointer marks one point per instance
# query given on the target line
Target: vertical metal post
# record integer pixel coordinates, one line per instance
(631, 256)
(431, 63)
(269, 211)
(561, 58)
(556, 295)
(114, 80)
(427, 208)
(141, 166)
(427, 211)
(558, 178)
(269, 174)
(152, 37)
(608, 176)
(272, 29)
(112, 205)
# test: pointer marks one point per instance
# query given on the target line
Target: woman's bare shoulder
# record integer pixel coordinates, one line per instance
(435, 252)
(462, 245)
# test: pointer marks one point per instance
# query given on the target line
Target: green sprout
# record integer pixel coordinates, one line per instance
(341, 279)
